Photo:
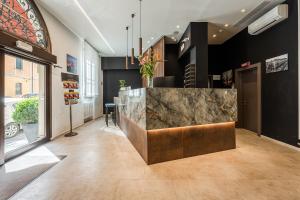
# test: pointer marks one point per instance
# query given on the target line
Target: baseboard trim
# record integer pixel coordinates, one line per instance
(78, 126)
(67, 131)
(281, 143)
(88, 119)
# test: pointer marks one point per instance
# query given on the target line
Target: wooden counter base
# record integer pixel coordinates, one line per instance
(161, 145)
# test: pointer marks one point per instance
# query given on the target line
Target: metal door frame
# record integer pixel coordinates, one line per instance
(2, 63)
(48, 95)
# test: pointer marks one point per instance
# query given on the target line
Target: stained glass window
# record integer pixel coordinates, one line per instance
(20, 18)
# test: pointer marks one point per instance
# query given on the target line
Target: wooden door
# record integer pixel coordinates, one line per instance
(248, 84)
(249, 99)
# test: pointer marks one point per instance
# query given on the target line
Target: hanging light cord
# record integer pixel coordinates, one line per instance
(140, 18)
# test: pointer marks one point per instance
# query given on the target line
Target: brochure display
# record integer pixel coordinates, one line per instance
(71, 95)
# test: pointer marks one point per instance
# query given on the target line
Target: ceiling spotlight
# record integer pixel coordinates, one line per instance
(152, 38)
(243, 10)
(226, 25)
(214, 35)
(148, 41)
(173, 38)
(178, 26)
(220, 30)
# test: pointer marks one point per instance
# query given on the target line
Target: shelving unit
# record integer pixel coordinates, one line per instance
(190, 76)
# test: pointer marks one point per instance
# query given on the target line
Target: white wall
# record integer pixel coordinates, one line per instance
(63, 42)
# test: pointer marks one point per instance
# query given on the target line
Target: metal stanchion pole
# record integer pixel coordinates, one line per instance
(71, 133)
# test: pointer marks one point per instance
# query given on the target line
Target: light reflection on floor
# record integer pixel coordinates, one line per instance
(15, 142)
(38, 156)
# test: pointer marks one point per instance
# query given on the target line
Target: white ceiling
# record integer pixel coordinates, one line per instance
(160, 17)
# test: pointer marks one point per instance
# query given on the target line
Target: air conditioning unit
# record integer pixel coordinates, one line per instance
(271, 18)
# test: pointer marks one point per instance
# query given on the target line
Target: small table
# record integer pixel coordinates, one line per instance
(107, 107)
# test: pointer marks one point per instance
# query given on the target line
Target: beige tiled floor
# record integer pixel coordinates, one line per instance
(102, 164)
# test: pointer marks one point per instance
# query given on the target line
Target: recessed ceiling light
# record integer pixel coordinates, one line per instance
(226, 25)
(148, 41)
(220, 30)
(243, 10)
(214, 35)
(178, 26)
(152, 38)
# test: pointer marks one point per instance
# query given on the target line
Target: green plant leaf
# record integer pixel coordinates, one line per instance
(122, 83)
(27, 111)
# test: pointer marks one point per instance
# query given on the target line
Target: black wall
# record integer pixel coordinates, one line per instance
(113, 71)
(279, 90)
(172, 66)
(201, 53)
(215, 59)
(111, 63)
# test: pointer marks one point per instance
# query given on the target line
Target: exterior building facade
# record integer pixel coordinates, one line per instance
(21, 77)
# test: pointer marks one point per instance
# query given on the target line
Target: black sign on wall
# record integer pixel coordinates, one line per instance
(185, 42)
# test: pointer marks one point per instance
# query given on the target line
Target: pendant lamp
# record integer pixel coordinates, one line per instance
(126, 66)
(132, 48)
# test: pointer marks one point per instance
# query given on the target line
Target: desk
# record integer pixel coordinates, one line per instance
(172, 123)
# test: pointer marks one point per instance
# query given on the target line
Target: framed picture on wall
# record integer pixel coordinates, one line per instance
(71, 64)
(227, 78)
(277, 64)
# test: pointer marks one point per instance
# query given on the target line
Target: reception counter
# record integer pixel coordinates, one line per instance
(171, 123)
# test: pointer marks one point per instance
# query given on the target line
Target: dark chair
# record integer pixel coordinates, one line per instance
(110, 107)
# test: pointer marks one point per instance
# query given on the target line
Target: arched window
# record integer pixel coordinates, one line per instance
(22, 19)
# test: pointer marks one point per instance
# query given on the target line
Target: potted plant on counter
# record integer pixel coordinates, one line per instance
(26, 114)
(148, 64)
(122, 85)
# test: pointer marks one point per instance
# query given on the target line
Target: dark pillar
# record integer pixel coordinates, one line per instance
(199, 53)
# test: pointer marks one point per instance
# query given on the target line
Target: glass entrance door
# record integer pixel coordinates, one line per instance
(24, 103)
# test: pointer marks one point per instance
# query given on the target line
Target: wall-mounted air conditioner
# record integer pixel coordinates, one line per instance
(271, 18)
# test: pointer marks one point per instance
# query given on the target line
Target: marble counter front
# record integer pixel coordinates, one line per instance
(159, 108)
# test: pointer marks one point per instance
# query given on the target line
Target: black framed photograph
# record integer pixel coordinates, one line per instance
(277, 64)
(227, 78)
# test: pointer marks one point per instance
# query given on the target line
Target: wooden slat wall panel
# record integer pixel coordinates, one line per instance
(159, 49)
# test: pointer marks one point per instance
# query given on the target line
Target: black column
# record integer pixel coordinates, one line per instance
(199, 53)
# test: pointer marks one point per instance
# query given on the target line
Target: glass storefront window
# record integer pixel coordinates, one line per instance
(24, 103)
